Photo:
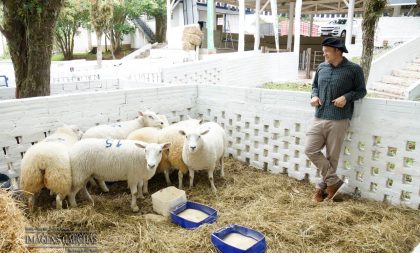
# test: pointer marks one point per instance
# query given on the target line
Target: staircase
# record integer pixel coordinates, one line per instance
(145, 28)
(394, 86)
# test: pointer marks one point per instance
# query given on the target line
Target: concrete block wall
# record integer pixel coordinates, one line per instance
(266, 128)
(84, 86)
(24, 122)
(245, 70)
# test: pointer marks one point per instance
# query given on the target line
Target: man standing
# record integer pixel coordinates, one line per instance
(337, 84)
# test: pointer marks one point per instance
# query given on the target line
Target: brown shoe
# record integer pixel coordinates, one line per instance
(333, 189)
(319, 195)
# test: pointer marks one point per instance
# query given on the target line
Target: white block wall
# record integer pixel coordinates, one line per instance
(267, 129)
(245, 70)
(23, 122)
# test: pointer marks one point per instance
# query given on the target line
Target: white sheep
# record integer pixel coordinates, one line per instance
(203, 147)
(121, 130)
(114, 160)
(47, 164)
(171, 158)
(148, 119)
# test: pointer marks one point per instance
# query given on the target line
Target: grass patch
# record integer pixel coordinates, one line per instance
(92, 57)
(307, 87)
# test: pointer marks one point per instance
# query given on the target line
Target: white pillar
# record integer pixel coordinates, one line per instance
(273, 4)
(210, 25)
(311, 25)
(168, 19)
(397, 11)
(298, 11)
(290, 31)
(241, 39)
(257, 25)
(349, 27)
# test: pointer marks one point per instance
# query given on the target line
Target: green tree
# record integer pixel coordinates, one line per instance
(75, 14)
(373, 10)
(100, 16)
(28, 26)
(122, 9)
(157, 9)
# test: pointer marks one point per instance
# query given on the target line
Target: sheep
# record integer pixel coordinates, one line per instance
(47, 164)
(203, 147)
(170, 158)
(114, 160)
(121, 130)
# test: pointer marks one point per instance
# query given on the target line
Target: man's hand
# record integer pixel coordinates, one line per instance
(315, 101)
(340, 102)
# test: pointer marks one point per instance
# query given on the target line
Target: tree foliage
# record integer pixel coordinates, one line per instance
(75, 14)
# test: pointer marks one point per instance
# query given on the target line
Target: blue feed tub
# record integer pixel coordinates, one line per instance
(191, 224)
(218, 236)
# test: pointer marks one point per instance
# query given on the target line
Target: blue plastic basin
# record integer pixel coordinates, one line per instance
(218, 236)
(191, 224)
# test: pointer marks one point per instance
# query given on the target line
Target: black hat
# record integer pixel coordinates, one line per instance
(336, 43)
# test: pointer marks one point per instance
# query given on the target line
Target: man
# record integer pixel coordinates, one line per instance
(337, 84)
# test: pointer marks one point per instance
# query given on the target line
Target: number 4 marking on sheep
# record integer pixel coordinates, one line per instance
(119, 144)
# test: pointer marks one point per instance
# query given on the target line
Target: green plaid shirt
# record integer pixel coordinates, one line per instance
(332, 82)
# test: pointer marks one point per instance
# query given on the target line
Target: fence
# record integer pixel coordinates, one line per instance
(265, 128)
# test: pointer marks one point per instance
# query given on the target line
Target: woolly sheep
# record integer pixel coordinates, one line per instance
(47, 164)
(114, 160)
(170, 158)
(203, 147)
(164, 123)
(121, 130)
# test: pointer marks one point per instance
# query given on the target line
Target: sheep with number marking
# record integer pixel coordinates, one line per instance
(121, 130)
(114, 160)
(203, 147)
(47, 164)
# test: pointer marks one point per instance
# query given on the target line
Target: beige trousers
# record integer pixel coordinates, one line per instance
(329, 134)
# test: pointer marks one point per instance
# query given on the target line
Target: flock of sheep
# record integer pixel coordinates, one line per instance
(131, 151)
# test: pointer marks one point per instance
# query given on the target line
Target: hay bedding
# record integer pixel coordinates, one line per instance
(276, 205)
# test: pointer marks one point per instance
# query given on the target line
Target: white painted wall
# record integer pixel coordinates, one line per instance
(267, 129)
(396, 29)
(264, 127)
(248, 69)
(394, 59)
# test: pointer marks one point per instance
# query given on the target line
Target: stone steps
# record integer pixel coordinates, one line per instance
(397, 80)
(406, 73)
(379, 94)
(412, 67)
(392, 89)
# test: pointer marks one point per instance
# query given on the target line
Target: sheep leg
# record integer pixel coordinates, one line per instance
(145, 186)
(180, 178)
(103, 186)
(31, 201)
(72, 196)
(191, 177)
(168, 180)
(222, 169)
(133, 189)
(59, 201)
(140, 186)
(87, 195)
(210, 173)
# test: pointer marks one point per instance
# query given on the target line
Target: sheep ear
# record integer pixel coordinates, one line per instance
(205, 131)
(141, 114)
(182, 132)
(166, 145)
(140, 144)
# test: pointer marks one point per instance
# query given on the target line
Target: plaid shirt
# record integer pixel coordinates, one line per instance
(332, 82)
